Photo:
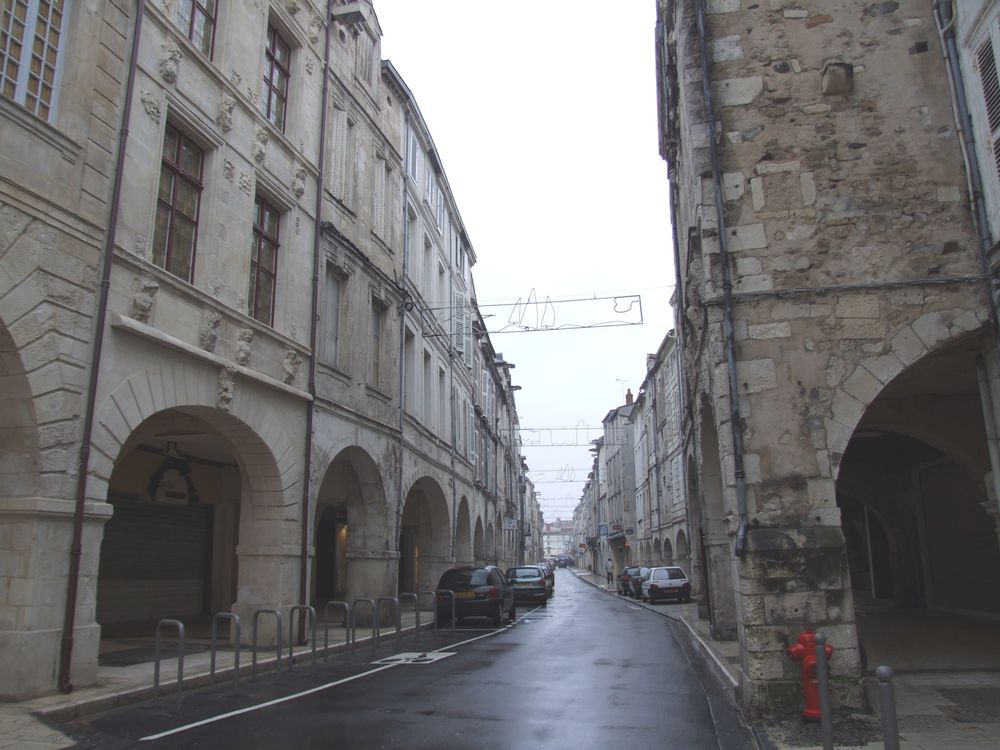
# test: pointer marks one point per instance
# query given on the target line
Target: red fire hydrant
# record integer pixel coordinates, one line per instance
(804, 651)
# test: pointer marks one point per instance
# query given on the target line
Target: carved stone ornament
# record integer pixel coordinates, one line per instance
(246, 183)
(226, 387)
(143, 297)
(292, 7)
(299, 181)
(151, 103)
(170, 62)
(141, 245)
(259, 146)
(243, 347)
(310, 65)
(316, 27)
(228, 170)
(224, 117)
(291, 365)
(209, 333)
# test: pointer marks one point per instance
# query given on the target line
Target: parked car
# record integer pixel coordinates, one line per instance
(479, 592)
(550, 573)
(635, 582)
(530, 583)
(667, 582)
(624, 582)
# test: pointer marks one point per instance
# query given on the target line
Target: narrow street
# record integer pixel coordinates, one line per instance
(587, 670)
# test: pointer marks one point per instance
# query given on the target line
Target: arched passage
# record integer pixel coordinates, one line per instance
(657, 552)
(352, 531)
(683, 553)
(424, 537)
(921, 545)
(479, 542)
(668, 552)
(463, 534)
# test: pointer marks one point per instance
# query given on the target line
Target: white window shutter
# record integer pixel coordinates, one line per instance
(378, 199)
(458, 319)
(986, 61)
(338, 152)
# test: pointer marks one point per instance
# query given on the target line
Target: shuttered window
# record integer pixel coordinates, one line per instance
(984, 96)
(342, 156)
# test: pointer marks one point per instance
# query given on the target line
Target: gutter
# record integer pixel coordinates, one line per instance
(727, 294)
(314, 321)
(83, 464)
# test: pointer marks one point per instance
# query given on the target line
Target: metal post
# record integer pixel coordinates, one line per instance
(256, 615)
(236, 653)
(354, 621)
(433, 597)
(416, 610)
(311, 613)
(180, 659)
(890, 731)
(378, 612)
(348, 624)
(447, 593)
(823, 677)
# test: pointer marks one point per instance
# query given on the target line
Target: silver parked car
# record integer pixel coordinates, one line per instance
(667, 582)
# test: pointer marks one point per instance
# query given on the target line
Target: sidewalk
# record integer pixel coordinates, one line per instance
(935, 710)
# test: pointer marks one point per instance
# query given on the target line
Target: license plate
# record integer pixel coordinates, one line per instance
(523, 585)
(465, 595)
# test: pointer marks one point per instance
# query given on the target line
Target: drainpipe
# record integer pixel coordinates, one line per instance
(405, 303)
(727, 294)
(83, 465)
(314, 321)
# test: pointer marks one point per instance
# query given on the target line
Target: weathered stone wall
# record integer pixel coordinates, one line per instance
(852, 253)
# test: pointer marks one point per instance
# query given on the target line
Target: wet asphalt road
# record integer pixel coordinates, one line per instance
(588, 671)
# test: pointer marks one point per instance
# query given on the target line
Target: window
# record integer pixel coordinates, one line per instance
(30, 32)
(375, 344)
(411, 231)
(176, 232)
(367, 52)
(274, 90)
(414, 155)
(984, 98)
(442, 403)
(381, 196)
(263, 261)
(428, 389)
(197, 20)
(410, 371)
(331, 321)
(342, 156)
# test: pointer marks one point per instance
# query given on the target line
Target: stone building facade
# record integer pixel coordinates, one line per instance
(835, 229)
(206, 314)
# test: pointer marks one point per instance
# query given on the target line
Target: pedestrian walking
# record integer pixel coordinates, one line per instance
(609, 568)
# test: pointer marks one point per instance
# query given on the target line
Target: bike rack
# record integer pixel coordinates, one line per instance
(416, 608)
(378, 612)
(307, 610)
(450, 593)
(354, 609)
(180, 659)
(433, 597)
(348, 624)
(236, 655)
(256, 616)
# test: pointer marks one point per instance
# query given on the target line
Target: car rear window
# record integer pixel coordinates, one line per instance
(524, 573)
(676, 573)
(660, 575)
(459, 578)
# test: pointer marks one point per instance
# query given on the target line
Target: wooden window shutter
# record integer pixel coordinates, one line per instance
(988, 78)
(338, 152)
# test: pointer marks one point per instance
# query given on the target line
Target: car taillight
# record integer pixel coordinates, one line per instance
(491, 592)
(540, 581)
(653, 586)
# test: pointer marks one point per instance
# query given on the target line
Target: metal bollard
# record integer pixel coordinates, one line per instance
(180, 659)
(416, 610)
(253, 661)
(823, 677)
(354, 609)
(311, 613)
(433, 596)
(887, 696)
(448, 593)
(347, 626)
(378, 615)
(236, 654)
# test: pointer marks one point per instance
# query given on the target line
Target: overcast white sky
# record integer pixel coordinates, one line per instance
(544, 115)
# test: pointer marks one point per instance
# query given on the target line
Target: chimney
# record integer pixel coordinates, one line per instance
(628, 396)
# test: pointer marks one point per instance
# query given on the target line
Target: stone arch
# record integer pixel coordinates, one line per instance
(929, 334)
(479, 542)
(657, 551)
(463, 534)
(668, 552)
(717, 545)
(424, 537)
(352, 530)
(491, 542)
(682, 552)
(21, 471)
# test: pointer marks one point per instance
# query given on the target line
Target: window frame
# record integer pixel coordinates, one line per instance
(376, 335)
(22, 95)
(259, 238)
(275, 39)
(175, 167)
(334, 274)
(199, 7)
(984, 30)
